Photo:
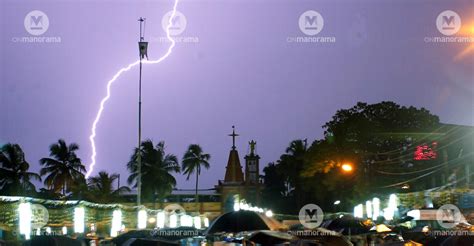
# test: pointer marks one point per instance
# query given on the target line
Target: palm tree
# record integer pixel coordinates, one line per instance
(14, 175)
(44, 193)
(101, 187)
(193, 160)
(64, 168)
(79, 189)
(157, 167)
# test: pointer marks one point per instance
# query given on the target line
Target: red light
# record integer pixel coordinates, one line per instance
(426, 152)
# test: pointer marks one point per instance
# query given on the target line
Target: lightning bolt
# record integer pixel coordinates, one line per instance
(115, 77)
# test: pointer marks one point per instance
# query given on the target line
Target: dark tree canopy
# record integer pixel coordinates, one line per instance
(366, 130)
(15, 179)
(365, 135)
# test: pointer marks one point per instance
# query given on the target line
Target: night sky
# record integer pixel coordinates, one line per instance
(242, 71)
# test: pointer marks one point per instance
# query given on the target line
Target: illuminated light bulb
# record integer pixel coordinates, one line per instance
(142, 219)
(186, 220)
(116, 222)
(79, 215)
(346, 167)
(368, 209)
(269, 213)
(151, 220)
(206, 222)
(389, 212)
(375, 208)
(359, 211)
(197, 222)
(392, 201)
(64, 230)
(25, 214)
(160, 219)
(173, 221)
(236, 206)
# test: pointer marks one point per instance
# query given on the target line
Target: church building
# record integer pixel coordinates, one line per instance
(238, 184)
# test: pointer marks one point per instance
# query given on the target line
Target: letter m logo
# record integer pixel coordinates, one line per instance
(311, 214)
(448, 20)
(36, 22)
(311, 20)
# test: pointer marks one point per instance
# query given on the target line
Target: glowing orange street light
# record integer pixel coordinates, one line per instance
(347, 167)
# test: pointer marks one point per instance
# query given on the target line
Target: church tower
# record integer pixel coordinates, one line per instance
(252, 172)
(233, 172)
(232, 188)
(252, 175)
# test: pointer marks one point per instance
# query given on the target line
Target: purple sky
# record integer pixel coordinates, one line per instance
(242, 72)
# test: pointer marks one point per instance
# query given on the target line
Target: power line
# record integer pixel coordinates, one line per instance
(419, 171)
(421, 176)
(420, 141)
(398, 158)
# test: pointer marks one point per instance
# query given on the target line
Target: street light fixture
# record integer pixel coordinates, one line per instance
(347, 167)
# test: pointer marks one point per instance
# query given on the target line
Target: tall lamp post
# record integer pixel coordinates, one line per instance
(142, 47)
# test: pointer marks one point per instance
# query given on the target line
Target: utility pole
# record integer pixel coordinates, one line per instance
(143, 47)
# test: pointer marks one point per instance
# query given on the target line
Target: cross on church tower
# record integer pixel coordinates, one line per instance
(233, 135)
